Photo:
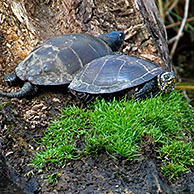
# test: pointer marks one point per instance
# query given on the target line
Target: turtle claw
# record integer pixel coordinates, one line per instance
(84, 97)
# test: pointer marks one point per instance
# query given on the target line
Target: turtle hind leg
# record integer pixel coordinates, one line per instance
(11, 78)
(26, 91)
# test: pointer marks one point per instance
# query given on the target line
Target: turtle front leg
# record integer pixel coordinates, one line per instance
(146, 90)
(11, 78)
(84, 97)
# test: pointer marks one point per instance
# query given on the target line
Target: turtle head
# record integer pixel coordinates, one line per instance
(166, 81)
(114, 39)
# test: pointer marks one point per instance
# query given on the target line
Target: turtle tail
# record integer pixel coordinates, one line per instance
(27, 90)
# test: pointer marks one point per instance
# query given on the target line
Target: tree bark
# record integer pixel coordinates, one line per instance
(25, 23)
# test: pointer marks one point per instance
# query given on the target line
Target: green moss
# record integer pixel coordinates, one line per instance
(119, 127)
(53, 177)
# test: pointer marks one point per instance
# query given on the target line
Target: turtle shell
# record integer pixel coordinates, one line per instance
(56, 60)
(113, 73)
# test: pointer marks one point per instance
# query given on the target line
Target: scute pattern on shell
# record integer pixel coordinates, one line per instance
(114, 73)
(57, 60)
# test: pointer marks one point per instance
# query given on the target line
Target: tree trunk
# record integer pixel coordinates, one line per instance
(25, 23)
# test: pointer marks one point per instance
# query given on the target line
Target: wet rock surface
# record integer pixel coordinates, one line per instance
(6, 185)
(11, 182)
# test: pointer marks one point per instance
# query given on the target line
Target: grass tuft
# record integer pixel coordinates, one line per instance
(119, 127)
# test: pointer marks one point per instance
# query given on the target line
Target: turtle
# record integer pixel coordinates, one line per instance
(55, 62)
(116, 75)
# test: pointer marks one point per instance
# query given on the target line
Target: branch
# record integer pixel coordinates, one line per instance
(177, 37)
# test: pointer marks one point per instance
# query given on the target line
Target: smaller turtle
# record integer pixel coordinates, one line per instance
(55, 62)
(115, 75)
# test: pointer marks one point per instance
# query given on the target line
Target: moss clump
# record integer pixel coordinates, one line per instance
(118, 127)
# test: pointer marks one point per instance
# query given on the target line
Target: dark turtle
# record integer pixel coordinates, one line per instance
(56, 61)
(121, 73)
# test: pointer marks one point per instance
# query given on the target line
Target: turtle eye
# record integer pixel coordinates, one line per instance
(121, 36)
(166, 76)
